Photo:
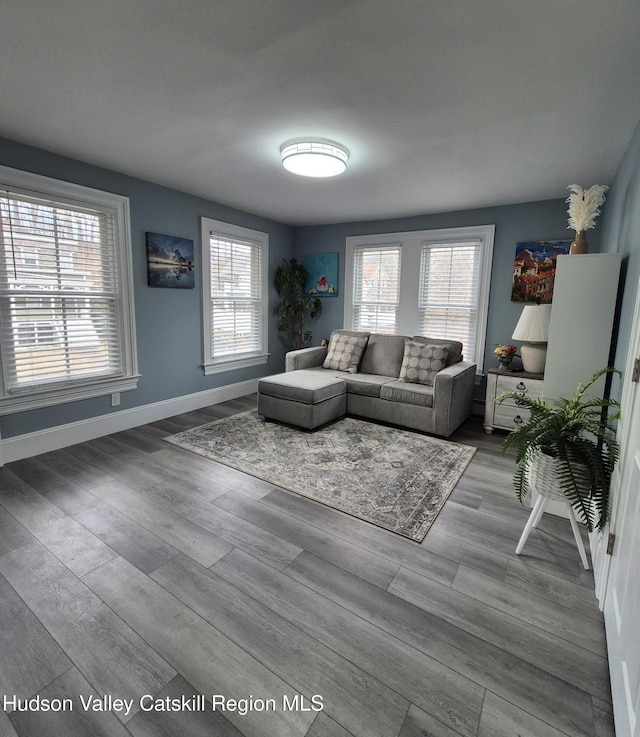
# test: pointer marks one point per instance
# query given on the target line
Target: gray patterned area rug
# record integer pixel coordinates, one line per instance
(393, 478)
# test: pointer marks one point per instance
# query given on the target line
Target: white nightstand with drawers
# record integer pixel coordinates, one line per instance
(507, 415)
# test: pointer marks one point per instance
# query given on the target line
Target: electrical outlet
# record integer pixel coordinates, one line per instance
(115, 399)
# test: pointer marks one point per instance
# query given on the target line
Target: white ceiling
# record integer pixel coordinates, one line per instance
(444, 104)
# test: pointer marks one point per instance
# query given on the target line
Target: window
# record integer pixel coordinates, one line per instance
(30, 336)
(28, 258)
(449, 287)
(433, 283)
(376, 288)
(235, 272)
(66, 295)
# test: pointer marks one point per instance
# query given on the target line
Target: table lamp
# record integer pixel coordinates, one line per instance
(533, 327)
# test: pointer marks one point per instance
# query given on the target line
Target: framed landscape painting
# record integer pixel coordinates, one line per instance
(323, 274)
(534, 270)
(170, 262)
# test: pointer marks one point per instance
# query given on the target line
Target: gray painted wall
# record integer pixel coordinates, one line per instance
(168, 321)
(546, 220)
(621, 234)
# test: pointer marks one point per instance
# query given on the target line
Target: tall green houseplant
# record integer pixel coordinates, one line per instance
(289, 280)
(577, 435)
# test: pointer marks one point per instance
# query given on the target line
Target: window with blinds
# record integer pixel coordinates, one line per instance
(376, 288)
(236, 297)
(422, 282)
(449, 289)
(235, 290)
(62, 311)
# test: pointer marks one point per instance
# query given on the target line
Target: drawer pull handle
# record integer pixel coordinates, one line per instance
(517, 420)
(522, 387)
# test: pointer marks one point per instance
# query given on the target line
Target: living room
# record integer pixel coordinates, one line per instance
(455, 117)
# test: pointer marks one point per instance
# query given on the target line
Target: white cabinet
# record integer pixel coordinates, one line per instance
(580, 332)
(507, 415)
(582, 315)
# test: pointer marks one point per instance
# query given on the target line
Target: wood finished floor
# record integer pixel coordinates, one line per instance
(131, 567)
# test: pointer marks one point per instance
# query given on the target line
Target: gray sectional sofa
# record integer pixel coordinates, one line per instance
(308, 395)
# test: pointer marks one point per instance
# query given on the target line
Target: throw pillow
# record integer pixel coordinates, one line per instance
(345, 352)
(421, 362)
(454, 346)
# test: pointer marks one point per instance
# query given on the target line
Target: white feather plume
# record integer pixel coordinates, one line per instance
(584, 205)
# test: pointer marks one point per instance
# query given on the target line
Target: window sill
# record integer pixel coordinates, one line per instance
(232, 364)
(38, 399)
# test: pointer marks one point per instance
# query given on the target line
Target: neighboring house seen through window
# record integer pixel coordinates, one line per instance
(235, 282)
(433, 283)
(66, 294)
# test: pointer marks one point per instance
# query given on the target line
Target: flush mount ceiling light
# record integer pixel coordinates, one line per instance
(314, 157)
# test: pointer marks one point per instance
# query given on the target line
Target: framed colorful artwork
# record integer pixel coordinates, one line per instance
(534, 270)
(170, 262)
(323, 274)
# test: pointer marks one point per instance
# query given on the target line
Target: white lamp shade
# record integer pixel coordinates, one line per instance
(533, 325)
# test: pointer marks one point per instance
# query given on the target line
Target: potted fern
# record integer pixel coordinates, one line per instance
(568, 446)
(289, 280)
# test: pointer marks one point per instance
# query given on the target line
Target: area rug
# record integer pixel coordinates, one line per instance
(393, 478)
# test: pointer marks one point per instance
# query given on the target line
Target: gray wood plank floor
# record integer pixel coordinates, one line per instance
(131, 567)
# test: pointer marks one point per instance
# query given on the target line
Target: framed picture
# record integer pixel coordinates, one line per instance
(534, 270)
(170, 262)
(323, 274)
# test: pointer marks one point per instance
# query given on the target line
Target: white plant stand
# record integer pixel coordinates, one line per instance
(536, 516)
(542, 480)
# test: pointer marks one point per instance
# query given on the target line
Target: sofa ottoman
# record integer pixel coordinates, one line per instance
(303, 398)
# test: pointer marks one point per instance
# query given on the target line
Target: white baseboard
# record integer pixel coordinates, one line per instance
(53, 438)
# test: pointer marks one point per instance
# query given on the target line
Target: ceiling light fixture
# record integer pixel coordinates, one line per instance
(314, 157)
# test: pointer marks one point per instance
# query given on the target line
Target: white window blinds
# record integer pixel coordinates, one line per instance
(236, 297)
(59, 294)
(376, 288)
(449, 287)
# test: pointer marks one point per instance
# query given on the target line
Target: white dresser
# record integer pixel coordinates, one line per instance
(507, 415)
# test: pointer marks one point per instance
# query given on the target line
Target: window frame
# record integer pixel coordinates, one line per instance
(14, 181)
(211, 365)
(411, 243)
(389, 247)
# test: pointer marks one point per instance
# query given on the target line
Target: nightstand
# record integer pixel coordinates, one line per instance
(507, 415)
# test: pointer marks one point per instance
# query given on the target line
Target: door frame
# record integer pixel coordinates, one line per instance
(601, 560)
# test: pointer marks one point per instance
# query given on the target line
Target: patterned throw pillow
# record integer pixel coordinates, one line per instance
(345, 352)
(421, 362)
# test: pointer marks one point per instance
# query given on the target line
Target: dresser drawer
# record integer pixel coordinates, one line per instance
(509, 418)
(527, 387)
(507, 415)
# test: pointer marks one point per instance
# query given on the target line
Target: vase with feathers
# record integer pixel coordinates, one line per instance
(584, 208)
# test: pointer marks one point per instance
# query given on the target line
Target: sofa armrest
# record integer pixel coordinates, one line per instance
(305, 358)
(453, 396)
